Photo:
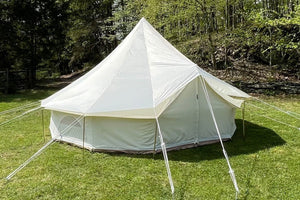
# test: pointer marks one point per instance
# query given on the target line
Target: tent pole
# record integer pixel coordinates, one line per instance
(243, 115)
(83, 136)
(155, 136)
(43, 125)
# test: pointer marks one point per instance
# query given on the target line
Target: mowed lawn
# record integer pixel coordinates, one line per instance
(266, 161)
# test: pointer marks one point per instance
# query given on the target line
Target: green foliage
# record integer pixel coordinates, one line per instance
(269, 31)
(90, 35)
(32, 35)
(66, 35)
(275, 36)
(266, 162)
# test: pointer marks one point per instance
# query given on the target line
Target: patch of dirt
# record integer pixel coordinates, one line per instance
(258, 78)
(62, 81)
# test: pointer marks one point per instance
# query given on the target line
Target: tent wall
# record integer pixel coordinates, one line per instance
(121, 133)
(106, 133)
(187, 120)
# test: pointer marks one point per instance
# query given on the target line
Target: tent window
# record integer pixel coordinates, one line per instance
(66, 121)
(70, 126)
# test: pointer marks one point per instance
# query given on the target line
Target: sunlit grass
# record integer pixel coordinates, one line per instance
(266, 162)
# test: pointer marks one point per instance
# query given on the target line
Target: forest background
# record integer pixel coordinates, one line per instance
(237, 40)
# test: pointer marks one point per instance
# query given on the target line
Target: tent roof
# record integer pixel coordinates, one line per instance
(139, 79)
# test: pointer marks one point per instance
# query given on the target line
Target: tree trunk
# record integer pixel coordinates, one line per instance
(212, 50)
(226, 14)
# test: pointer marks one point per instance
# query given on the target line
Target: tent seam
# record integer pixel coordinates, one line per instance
(181, 85)
(151, 81)
(109, 83)
(232, 104)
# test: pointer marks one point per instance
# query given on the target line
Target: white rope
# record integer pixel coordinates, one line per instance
(298, 128)
(16, 109)
(70, 125)
(293, 113)
(164, 151)
(255, 106)
(275, 120)
(279, 109)
(19, 116)
(231, 172)
(29, 160)
(41, 149)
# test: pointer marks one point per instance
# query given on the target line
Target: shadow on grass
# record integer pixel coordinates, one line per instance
(257, 138)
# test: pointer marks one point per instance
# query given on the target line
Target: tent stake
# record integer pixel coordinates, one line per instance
(243, 114)
(43, 125)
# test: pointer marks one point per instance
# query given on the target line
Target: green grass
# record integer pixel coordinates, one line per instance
(266, 162)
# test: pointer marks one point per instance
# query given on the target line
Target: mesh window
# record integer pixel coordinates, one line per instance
(71, 127)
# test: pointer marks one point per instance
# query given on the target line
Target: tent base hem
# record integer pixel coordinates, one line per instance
(185, 146)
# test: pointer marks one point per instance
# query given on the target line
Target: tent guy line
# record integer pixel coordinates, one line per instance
(293, 113)
(279, 109)
(275, 120)
(164, 151)
(12, 174)
(19, 108)
(231, 172)
(20, 116)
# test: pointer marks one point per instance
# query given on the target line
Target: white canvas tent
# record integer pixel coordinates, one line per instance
(144, 78)
(145, 96)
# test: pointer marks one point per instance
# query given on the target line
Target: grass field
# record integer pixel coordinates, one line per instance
(266, 162)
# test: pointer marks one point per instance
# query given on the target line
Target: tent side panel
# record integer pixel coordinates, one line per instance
(68, 128)
(121, 134)
(224, 114)
(179, 121)
(104, 133)
(188, 120)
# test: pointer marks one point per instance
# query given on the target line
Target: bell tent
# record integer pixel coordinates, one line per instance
(144, 97)
(144, 83)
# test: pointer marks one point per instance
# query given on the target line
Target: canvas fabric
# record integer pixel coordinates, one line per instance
(186, 121)
(139, 79)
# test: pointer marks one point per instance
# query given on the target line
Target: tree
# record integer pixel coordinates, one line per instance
(33, 34)
(91, 36)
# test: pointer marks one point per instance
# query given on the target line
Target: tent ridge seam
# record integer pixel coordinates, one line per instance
(147, 57)
(86, 110)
